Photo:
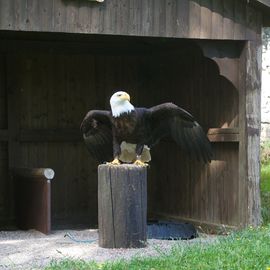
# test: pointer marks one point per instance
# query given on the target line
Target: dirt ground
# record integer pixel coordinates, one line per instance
(34, 250)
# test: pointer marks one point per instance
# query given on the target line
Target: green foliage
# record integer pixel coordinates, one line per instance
(247, 250)
(265, 191)
(265, 177)
(265, 199)
(265, 181)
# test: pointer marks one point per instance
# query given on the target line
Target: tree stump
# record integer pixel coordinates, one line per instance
(122, 206)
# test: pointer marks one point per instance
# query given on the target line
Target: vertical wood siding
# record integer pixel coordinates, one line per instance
(249, 147)
(3, 105)
(215, 19)
(181, 187)
(4, 180)
(188, 190)
(55, 93)
(4, 186)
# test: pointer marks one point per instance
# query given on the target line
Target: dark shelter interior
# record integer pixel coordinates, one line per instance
(49, 81)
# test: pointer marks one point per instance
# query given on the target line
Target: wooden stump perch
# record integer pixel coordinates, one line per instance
(122, 206)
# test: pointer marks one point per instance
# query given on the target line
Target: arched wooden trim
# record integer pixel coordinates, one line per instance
(226, 56)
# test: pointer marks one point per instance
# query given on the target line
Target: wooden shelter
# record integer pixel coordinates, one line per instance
(60, 58)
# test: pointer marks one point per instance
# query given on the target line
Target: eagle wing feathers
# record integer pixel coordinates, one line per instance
(162, 120)
(97, 133)
(168, 119)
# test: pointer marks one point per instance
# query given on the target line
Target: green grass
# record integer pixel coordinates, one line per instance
(265, 192)
(67, 264)
(247, 250)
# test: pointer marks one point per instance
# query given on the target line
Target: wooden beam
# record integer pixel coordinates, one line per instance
(223, 134)
(214, 131)
(223, 137)
(249, 134)
(33, 173)
(50, 135)
(202, 225)
(122, 47)
(71, 135)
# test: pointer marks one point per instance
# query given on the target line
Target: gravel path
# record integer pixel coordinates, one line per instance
(34, 250)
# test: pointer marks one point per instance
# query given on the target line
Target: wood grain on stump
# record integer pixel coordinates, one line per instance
(122, 206)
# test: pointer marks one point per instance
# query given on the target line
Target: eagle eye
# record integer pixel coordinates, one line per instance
(119, 95)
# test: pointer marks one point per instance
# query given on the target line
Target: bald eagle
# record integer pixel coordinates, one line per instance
(108, 133)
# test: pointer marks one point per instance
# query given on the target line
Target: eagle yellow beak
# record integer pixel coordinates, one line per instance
(125, 97)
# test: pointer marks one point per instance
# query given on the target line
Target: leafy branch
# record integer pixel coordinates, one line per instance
(266, 38)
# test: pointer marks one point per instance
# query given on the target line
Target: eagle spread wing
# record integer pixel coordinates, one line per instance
(97, 133)
(162, 120)
(170, 120)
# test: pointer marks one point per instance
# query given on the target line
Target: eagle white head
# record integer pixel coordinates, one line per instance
(120, 103)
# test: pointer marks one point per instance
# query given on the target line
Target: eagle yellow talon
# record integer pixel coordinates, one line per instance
(114, 162)
(140, 163)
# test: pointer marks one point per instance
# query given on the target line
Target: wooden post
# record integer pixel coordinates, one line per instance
(122, 206)
(33, 198)
(249, 133)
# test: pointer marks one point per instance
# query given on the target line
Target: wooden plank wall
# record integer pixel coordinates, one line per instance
(211, 19)
(4, 184)
(181, 187)
(187, 190)
(56, 94)
(56, 90)
(249, 146)
(194, 82)
(3, 105)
